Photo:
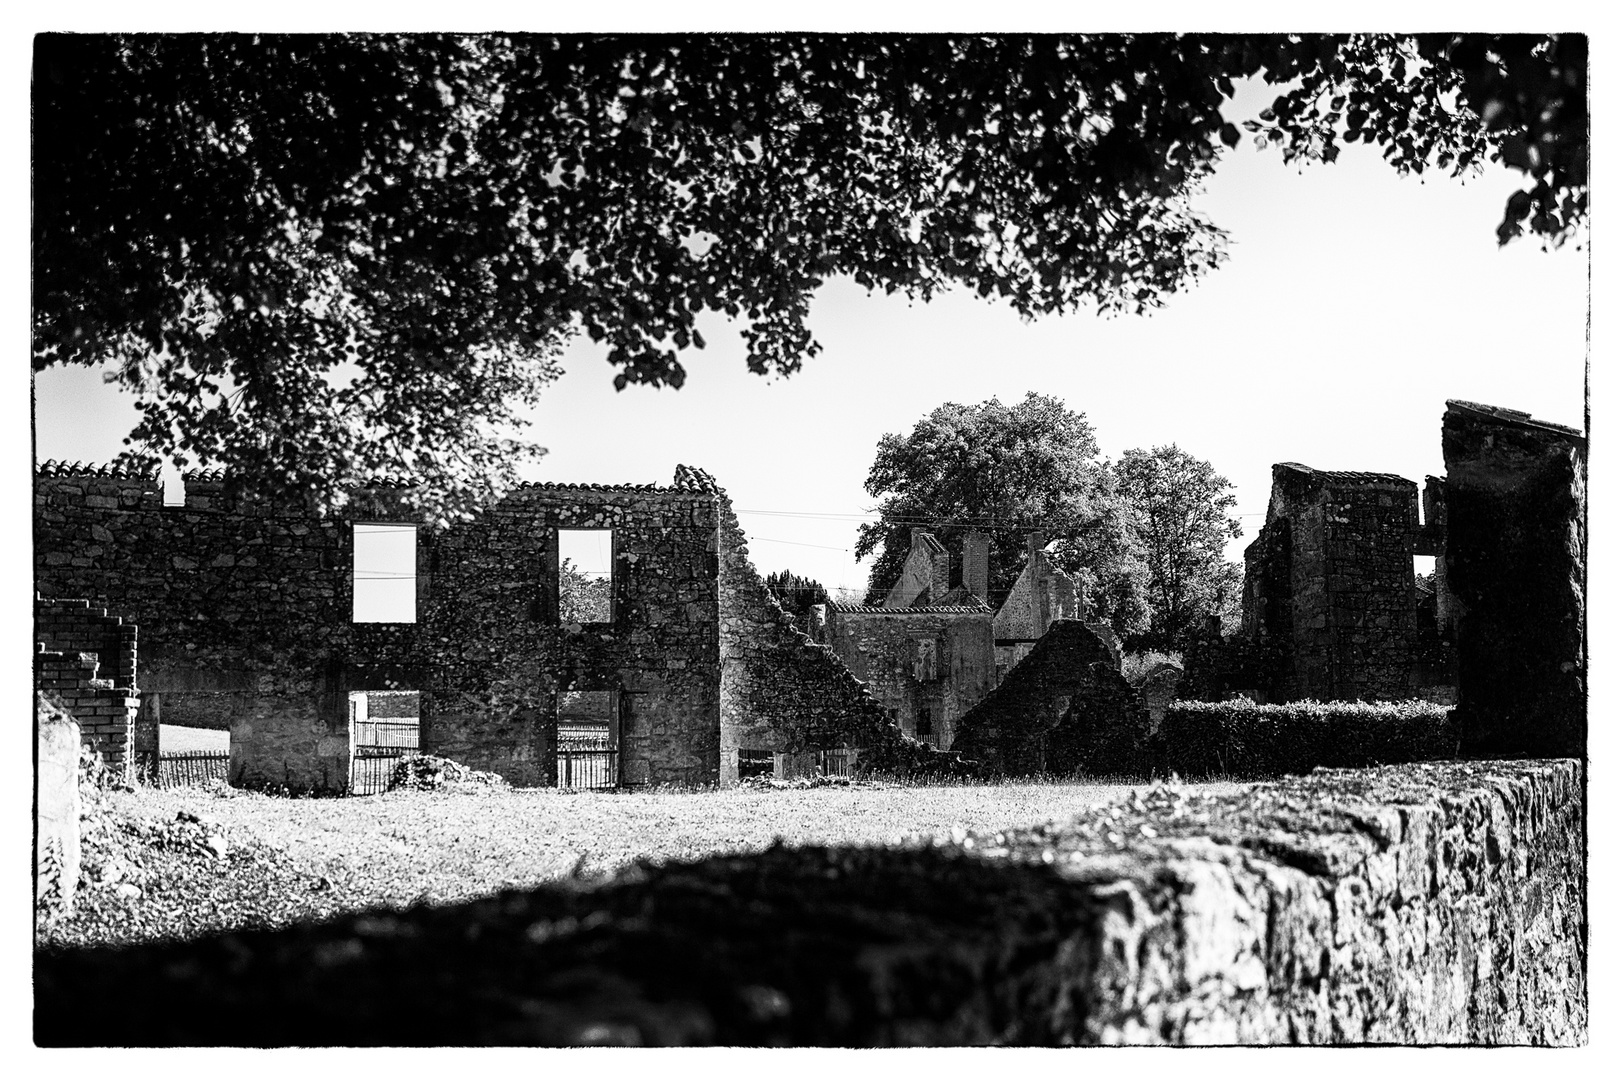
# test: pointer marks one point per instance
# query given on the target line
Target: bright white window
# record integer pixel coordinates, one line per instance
(385, 573)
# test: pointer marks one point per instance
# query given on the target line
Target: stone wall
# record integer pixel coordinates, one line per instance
(56, 805)
(1064, 704)
(241, 605)
(495, 655)
(246, 616)
(1412, 904)
(937, 658)
(1329, 601)
(1515, 567)
(782, 692)
(1158, 687)
(280, 745)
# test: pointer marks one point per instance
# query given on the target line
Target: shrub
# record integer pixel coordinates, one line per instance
(1242, 739)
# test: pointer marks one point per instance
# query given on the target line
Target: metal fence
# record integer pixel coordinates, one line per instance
(184, 768)
(379, 746)
(587, 769)
(839, 762)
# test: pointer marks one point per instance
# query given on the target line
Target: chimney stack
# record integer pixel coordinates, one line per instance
(976, 564)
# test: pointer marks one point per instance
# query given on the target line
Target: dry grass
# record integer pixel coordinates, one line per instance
(451, 845)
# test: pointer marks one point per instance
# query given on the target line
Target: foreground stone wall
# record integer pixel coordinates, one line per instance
(1410, 904)
(1515, 564)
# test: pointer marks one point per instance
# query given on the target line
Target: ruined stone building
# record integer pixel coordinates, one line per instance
(926, 652)
(245, 618)
(1329, 585)
(1042, 595)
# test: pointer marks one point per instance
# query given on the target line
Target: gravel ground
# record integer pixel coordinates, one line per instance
(182, 862)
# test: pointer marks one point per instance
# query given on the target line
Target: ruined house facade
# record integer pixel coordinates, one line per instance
(1042, 595)
(1329, 586)
(926, 653)
(245, 616)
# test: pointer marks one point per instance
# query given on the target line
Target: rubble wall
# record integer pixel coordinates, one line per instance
(1515, 565)
(1412, 904)
(1329, 586)
(782, 692)
(236, 601)
(246, 612)
(1064, 706)
(880, 646)
(496, 655)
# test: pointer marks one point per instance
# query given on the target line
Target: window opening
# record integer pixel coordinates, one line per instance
(925, 721)
(585, 575)
(385, 573)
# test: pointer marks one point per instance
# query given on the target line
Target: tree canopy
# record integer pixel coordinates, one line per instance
(315, 259)
(1008, 470)
(1183, 521)
(796, 594)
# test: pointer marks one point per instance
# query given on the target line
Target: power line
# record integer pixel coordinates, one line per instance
(795, 543)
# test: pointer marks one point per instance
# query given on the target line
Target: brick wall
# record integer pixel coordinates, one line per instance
(105, 712)
(87, 660)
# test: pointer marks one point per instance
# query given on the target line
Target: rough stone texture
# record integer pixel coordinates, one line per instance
(286, 744)
(1515, 565)
(783, 693)
(1158, 687)
(939, 659)
(495, 658)
(1342, 596)
(246, 617)
(925, 576)
(1042, 595)
(56, 805)
(1414, 904)
(1064, 704)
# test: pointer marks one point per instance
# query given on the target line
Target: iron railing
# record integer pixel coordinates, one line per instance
(587, 769)
(379, 747)
(185, 768)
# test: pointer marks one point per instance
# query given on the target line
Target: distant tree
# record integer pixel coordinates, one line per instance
(1009, 470)
(582, 597)
(796, 594)
(315, 258)
(1182, 520)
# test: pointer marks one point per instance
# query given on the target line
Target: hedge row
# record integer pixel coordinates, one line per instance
(1244, 740)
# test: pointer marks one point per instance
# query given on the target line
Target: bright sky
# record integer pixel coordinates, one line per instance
(1354, 303)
